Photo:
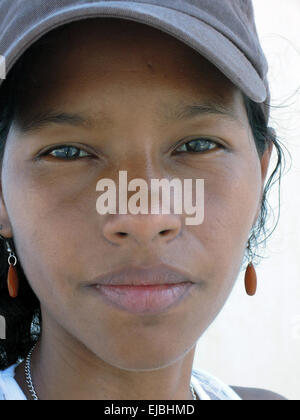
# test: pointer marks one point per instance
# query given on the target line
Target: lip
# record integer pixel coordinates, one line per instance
(141, 290)
(144, 299)
(142, 276)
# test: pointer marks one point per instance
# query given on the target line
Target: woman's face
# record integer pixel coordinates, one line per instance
(131, 84)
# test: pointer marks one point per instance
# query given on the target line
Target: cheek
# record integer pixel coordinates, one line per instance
(53, 220)
(232, 197)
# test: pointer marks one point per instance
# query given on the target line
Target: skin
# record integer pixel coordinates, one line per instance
(115, 74)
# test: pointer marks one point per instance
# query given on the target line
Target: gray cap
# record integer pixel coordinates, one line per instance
(223, 31)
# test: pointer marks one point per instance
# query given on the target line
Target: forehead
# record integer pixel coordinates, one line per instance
(106, 54)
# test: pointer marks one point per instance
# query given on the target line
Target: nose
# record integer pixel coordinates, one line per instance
(145, 230)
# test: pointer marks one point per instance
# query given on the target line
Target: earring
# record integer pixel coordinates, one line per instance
(12, 276)
(250, 280)
(250, 274)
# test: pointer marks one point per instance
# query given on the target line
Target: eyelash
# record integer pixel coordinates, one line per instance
(209, 142)
(47, 153)
(211, 145)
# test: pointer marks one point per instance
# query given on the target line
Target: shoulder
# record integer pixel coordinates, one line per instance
(9, 388)
(256, 394)
(212, 386)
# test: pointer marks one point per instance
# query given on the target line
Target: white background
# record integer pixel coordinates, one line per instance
(255, 341)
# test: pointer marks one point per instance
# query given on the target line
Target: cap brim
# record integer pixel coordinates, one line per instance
(198, 35)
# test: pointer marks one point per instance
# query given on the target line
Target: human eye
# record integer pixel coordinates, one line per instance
(199, 145)
(65, 152)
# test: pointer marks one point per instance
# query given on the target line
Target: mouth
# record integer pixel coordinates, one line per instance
(140, 290)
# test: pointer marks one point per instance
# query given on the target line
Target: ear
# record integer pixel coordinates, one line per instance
(264, 163)
(5, 226)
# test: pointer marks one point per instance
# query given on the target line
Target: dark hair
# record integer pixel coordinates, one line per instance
(264, 135)
(22, 314)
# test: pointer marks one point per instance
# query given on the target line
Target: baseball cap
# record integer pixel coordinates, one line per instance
(222, 31)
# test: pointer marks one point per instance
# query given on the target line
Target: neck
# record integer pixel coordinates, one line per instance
(67, 370)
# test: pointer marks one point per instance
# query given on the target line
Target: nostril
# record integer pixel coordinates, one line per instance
(121, 234)
(162, 229)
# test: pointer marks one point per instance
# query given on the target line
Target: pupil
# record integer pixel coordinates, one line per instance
(197, 146)
(71, 151)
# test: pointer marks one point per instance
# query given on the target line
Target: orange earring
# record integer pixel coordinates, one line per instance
(250, 280)
(12, 276)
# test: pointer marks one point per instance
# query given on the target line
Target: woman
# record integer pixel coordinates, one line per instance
(119, 301)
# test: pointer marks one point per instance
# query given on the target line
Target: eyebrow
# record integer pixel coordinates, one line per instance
(179, 113)
(44, 119)
(205, 108)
